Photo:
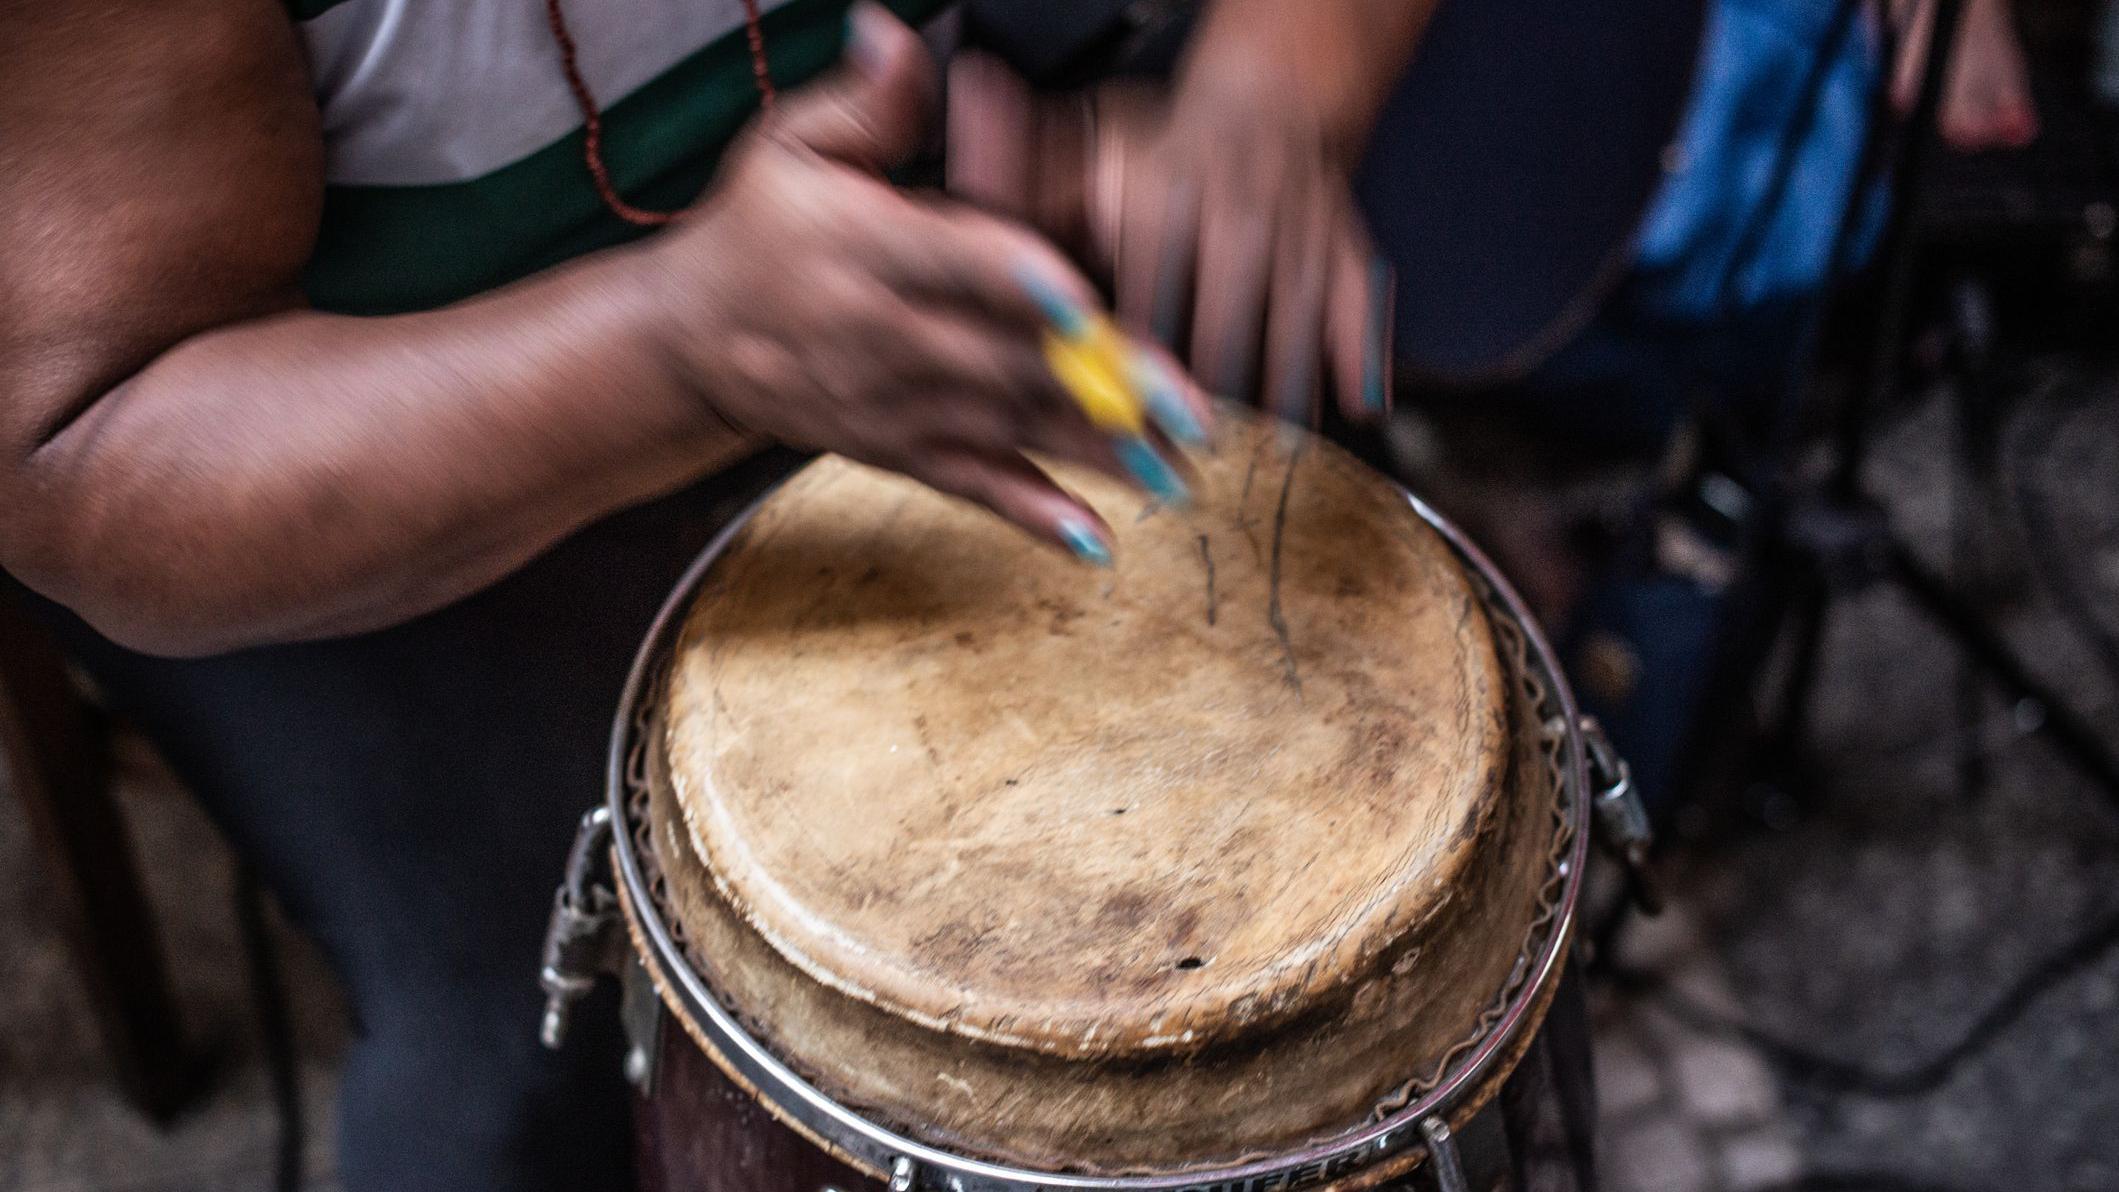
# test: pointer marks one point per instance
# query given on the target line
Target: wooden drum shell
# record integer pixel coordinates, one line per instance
(698, 1130)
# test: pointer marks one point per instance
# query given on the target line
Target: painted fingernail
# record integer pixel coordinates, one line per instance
(1375, 360)
(1153, 471)
(1061, 310)
(1085, 542)
(1166, 404)
(1290, 437)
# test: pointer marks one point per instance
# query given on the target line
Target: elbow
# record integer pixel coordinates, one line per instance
(159, 631)
(118, 593)
(147, 607)
(129, 550)
(123, 613)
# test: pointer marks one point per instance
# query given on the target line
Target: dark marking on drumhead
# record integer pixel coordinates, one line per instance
(1264, 757)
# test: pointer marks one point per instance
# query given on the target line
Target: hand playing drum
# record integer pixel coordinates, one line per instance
(1221, 208)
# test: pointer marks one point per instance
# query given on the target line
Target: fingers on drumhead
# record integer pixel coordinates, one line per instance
(1018, 491)
(1294, 343)
(1235, 268)
(1357, 321)
(1157, 255)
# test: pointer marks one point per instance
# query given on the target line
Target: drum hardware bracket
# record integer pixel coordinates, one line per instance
(1442, 1155)
(1621, 818)
(582, 940)
(641, 1015)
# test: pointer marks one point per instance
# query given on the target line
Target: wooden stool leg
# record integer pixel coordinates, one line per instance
(58, 764)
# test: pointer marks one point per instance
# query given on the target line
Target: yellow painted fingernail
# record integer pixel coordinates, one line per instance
(1092, 368)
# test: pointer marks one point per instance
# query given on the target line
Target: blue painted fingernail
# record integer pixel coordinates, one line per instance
(1372, 388)
(1153, 471)
(1063, 312)
(1376, 354)
(1086, 544)
(1166, 405)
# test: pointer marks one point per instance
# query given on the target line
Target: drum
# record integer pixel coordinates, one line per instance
(946, 862)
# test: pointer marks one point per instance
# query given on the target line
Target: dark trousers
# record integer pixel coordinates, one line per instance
(409, 795)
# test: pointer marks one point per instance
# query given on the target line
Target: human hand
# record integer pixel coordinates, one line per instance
(1225, 224)
(819, 306)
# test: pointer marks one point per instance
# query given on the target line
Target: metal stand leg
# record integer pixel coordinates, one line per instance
(2040, 708)
(1442, 1158)
(58, 764)
(268, 995)
(1788, 728)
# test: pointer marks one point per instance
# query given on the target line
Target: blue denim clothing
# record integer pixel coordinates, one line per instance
(1784, 88)
(1733, 256)
(1729, 270)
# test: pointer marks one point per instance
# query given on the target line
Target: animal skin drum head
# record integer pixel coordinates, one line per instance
(1115, 870)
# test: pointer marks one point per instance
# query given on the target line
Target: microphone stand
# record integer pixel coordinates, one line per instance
(1832, 539)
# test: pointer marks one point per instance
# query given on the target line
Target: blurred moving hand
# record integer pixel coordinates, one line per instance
(211, 464)
(1219, 210)
(891, 328)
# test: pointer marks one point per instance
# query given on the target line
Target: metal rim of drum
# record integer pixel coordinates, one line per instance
(905, 1163)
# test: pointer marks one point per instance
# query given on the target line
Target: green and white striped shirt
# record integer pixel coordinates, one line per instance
(453, 148)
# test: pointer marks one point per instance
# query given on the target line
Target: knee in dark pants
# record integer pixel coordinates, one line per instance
(449, 1091)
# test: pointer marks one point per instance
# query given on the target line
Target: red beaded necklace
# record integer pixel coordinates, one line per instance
(592, 117)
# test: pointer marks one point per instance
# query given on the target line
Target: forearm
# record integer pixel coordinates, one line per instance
(308, 474)
(1342, 58)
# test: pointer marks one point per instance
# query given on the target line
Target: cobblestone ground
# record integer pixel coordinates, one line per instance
(62, 1125)
(1831, 1004)
(1861, 940)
